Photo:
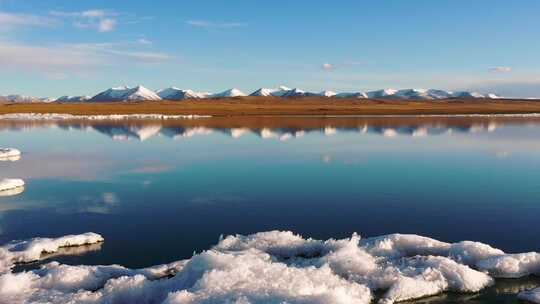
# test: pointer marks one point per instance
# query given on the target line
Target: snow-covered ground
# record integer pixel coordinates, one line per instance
(270, 267)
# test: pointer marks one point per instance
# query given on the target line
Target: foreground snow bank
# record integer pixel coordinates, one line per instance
(9, 153)
(59, 116)
(10, 184)
(270, 267)
(530, 295)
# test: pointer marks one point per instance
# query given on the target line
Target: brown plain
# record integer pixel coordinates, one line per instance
(253, 106)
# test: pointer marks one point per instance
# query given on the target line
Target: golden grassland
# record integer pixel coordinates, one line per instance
(249, 106)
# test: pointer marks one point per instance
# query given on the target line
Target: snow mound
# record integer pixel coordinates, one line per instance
(10, 183)
(138, 93)
(10, 154)
(269, 267)
(530, 295)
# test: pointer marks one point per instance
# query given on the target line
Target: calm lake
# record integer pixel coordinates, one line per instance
(158, 191)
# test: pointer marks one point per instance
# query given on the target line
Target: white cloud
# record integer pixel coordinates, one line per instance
(10, 20)
(210, 24)
(106, 25)
(98, 19)
(500, 69)
(327, 66)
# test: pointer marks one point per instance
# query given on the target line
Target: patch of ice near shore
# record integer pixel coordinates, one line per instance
(58, 116)
(9, 154)
(530, 295)
(12, 192)
(10, 184)
(276, 267)
(31, 250)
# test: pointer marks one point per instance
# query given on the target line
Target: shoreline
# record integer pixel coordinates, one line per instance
(247, 106)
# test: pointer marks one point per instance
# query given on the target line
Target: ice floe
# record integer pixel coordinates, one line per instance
(270, 267)
(10, 184)
(9, 154)
(12, 192)
(31, 250)
(530, 295)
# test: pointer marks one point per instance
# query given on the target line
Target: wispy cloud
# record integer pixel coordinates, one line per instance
(217, 25)
(500, 69)
(61, 59)
(11, 20)
(144, 41)
(98, 19)
(94, 13)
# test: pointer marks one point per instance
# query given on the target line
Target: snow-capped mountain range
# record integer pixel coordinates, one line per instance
(140, 93)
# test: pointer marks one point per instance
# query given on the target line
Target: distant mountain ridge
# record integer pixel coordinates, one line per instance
(140, 93)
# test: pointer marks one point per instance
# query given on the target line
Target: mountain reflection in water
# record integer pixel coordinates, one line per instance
(283, 128)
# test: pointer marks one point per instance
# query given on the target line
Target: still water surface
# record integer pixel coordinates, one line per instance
(159, 191)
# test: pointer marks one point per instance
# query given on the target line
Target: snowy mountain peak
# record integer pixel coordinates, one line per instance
(294, 93)
(352, 95)
(174, 93)
(229, 93)
(327, 93)
(262, 92)
(67, 98)
(125, 93)
(381, 93)
(279, 91)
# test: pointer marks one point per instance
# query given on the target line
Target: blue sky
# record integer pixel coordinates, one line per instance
(50, 48)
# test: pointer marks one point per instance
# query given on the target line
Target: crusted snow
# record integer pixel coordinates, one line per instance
(31, 250)
(10, 184)
(530, 295)
(270, 267)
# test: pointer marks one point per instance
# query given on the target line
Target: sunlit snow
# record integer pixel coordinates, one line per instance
(270, 267)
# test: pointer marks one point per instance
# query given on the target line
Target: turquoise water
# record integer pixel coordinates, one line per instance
(159, 193)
